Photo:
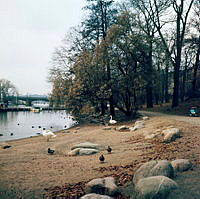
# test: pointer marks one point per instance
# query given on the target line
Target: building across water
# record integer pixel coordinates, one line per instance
(40, 104)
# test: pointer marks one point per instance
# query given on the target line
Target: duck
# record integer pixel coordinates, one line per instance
(109, 149)
(6, 147)
(101, 158)
(111, 121)
(51, 151)
(48, 134)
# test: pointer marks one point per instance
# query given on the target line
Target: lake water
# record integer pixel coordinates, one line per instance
(15, 125)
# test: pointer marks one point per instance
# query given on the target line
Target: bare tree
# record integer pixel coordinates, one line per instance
(6, 89)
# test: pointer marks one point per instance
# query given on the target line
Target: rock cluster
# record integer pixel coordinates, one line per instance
(151, 180)
(138, 125)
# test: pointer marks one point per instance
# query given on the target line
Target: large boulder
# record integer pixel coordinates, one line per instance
(155, 187)
(95, 196)
(82, 151)
(181, 165)
(171, 134)
(87, 145)
(154, 168)
(103, 186)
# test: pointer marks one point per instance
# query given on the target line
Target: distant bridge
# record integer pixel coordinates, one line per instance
(27, 98)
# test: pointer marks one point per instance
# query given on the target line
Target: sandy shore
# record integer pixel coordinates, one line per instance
(26, 168)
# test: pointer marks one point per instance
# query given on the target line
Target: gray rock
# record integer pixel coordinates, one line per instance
(122, 128)
(145, 118)
(149, 137)
(88, 151)
(139, 122)
(156, 187)
(82, 151)
(87, 145)
(171, 134)
(107, 128)
(181, 165)
(154, 168)
(95, 196)
(103, 186)
(138, 125)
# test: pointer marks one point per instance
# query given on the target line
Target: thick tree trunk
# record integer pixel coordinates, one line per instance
(175, 100)
(149, 90)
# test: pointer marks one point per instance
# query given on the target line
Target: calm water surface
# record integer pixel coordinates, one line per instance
(25, 124)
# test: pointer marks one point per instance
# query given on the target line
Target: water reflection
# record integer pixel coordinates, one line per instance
(26, 124)
(5, 117)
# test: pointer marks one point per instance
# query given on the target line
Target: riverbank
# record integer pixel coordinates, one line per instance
(27, 171)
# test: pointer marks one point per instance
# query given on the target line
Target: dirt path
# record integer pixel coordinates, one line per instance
(191, 120)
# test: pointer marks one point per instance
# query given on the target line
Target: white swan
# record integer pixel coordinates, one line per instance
(111, 121)
(48, 134)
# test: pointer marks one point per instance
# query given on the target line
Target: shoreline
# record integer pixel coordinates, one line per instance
(29, 169)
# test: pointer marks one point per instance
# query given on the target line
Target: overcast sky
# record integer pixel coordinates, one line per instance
(30, 31)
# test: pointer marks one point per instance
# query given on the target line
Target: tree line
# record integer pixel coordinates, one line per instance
(127, 54)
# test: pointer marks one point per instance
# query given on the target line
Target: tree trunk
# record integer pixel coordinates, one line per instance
(175, 100)
(183, 83)
(103, 108)
(112, 107)
(149, 66)
(167, 83)
(196, 65)
(149, 97)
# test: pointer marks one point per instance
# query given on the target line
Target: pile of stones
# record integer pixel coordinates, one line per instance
(153, 180)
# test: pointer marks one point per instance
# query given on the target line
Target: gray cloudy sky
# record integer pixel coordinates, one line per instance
(30, 31)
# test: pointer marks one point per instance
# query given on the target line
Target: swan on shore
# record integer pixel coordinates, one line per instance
(48, 134)
(111, 121)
